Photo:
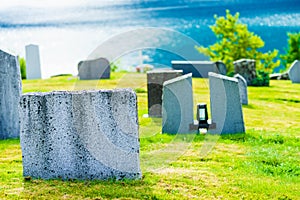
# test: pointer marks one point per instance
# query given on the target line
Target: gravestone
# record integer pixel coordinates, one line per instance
(200, 69)
(177, 105)
(33, 64)
(155, 80)
(246, 68)
(242, 89)
(226, 109)
(80, 135)
(294, 72)
(94, 69)
(10, 92)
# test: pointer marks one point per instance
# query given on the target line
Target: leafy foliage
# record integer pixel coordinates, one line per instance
(293, 50)
(262, 78)
(235, 41)
(22, 67)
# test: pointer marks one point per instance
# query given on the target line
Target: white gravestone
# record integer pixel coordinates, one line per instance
(243, 89)
(33, 64)
(294, 72)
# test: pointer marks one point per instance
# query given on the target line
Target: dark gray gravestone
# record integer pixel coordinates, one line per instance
(243, 89)
(155, 80)
(94, 69)
(226, 108)
(80, 135)
(246, 68)
(200, 68)
(177, 105)
(294, 72)
(10, 92)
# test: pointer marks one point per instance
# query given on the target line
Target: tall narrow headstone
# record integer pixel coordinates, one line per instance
(177, 105)
(246, 68)
(155, 80)
(94, 69)
(33, 64)
(243, 89)
(10, 92)
(226, 109)
(294, 72)
(80, 135)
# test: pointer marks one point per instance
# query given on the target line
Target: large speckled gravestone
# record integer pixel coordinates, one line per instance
(94, 69)
(294, 72)
(33, 64)
(155, 80)
(226, 109)
(10, 92)
(246, 68)
(177, 105)
(80, 135)
(200, 69)
(243, 89)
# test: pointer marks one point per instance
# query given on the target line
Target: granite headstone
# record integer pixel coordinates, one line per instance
(294, 72)
(155, 80)
(33, 64)
(80, 135)
(177, 105)
(10, 93)
(243, 89)
(226, 109)
(246, 68)
(94, 69)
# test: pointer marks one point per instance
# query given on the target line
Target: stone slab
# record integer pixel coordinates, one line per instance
(177, 105)
(199, 69)
(80, 135)
(94, 69)
(242, 89)
(33, 63)
(226, 109)
(246, 68)
(10, 93)
(294, 72)
(155, 80)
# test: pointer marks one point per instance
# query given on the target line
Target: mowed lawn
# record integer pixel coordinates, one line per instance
(264, 163)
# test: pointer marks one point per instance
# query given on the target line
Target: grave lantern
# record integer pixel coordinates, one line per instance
(202, 116)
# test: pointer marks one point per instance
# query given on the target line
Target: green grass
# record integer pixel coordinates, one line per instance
(261, 164)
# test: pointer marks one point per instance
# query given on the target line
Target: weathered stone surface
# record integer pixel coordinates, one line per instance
(243, 89)
(226, 109)
(294, 72)
(94, 69)
(33, 64)
(246, 68)
(177, 105)
(155, 80)
(10, 92)
(279, 76)
(200, 68)
(80, 135)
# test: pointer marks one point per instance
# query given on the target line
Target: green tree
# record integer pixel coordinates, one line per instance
(235, 41)
(292, 51)
(22, 67)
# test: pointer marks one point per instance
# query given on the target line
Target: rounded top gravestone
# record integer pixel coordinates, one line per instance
(294, 72)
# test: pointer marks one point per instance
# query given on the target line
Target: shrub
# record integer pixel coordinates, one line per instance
(235, 41)
(262, 79)
(22, 63)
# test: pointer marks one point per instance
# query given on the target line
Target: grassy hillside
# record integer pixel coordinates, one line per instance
(264, 163)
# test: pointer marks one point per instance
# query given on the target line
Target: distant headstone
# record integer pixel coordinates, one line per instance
(242, 89)
(33, 64)
(226, 109)
(155, 80)
(294, 72)
(10, 92)
(200, 68)
(80, 135)
(177, 105)
(246, 68)
(94, 69)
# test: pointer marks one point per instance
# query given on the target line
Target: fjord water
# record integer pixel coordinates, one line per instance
(68, 31)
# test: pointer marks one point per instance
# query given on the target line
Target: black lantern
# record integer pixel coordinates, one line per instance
(202, 116)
